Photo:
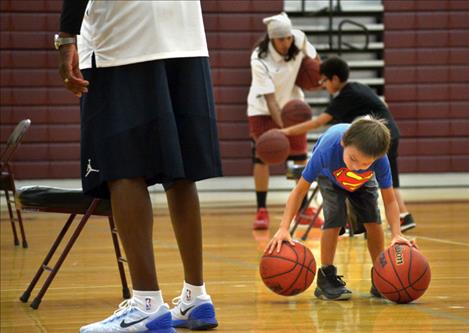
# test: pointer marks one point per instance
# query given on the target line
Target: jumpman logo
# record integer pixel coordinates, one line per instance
(89, 168)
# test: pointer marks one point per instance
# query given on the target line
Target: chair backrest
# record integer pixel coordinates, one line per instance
(13, 141)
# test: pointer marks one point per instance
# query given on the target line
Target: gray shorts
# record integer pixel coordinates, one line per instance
(364, 202)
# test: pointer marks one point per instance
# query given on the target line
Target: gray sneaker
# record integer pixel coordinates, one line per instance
(330, 286)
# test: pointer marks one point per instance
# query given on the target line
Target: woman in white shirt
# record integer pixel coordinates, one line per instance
(274, 66)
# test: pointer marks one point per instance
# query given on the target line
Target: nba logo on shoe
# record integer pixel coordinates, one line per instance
(188, 295)
(147, 304)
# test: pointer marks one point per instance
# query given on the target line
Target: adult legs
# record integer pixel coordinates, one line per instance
(183, 202)
(133, 214)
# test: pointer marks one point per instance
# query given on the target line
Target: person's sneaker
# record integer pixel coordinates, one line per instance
(373, 290)
(330, 286)
(407, 222)
(262, 220)
(128, 318)
(307, 217)
(198, 315)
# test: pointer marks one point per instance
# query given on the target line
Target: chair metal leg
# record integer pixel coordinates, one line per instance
(120, 259)
(24, 298)
(310, 226)
(37, 300)
(12, 219)
(302, 210)
(23, 234)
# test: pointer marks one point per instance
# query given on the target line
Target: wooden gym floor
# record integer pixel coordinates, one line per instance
(87, 288)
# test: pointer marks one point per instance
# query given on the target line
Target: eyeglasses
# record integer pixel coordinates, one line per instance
(322, 81)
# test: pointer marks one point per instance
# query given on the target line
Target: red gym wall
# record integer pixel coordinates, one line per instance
(31, 88)
(426, 83)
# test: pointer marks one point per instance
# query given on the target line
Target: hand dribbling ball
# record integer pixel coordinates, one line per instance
(401, 273)
(290, 271)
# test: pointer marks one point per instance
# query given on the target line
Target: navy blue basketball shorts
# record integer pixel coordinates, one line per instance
(152, 119)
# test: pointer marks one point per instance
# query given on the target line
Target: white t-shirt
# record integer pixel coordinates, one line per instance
(126, 32)
(273, 74)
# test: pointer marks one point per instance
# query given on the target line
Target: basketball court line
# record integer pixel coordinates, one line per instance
(444, 241)
(422, 308)
(249, 265)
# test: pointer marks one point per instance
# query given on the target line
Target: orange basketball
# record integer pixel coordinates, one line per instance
(308, 75)
(295, 111)
(273, 147)
(401, 273)
(289, 272)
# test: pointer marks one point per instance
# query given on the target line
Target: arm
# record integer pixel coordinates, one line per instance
(293, 204)
(70, 24)
(274, 109)
(307, 126)
(392, 215)
(72, 16)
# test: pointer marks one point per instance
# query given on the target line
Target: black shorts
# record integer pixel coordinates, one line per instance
(392, 157)
(153, 119)
(364, 202)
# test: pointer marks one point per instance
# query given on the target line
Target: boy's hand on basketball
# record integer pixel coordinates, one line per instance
(399, 239)
(280, 236)
(70, 72)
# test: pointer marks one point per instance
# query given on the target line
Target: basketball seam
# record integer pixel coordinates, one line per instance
(301, 269)
(411, 284)
(419, 278)
(397, 275)
(385, 280)
(279, 274)
(289, 260)
(403, 289)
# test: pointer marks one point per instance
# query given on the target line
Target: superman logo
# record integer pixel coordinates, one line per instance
(351, 180)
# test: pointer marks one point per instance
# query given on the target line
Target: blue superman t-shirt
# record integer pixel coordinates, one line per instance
(327, 160)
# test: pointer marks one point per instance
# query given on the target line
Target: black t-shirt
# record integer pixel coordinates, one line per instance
(355, 100)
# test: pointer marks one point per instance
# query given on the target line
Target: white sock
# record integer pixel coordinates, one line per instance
(148, 300)
(404, 215)
(190, 292)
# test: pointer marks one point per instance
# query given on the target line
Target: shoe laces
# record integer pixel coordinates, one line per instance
(335, 280)
(176, 300)
(338, 280)
(124, 306)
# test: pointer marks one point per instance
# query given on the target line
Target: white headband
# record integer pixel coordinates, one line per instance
(278, 26)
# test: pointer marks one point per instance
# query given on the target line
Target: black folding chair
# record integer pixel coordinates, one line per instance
(73, 202)
(7, 181)
(294, 172)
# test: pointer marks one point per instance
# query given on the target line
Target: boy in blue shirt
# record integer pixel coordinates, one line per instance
(349, 161)
(352, 100)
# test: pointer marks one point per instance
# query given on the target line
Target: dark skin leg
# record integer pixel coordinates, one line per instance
(184, 208)
(133, 215)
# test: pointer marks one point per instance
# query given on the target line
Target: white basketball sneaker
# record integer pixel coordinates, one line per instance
(128, 318)
(197, 315)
